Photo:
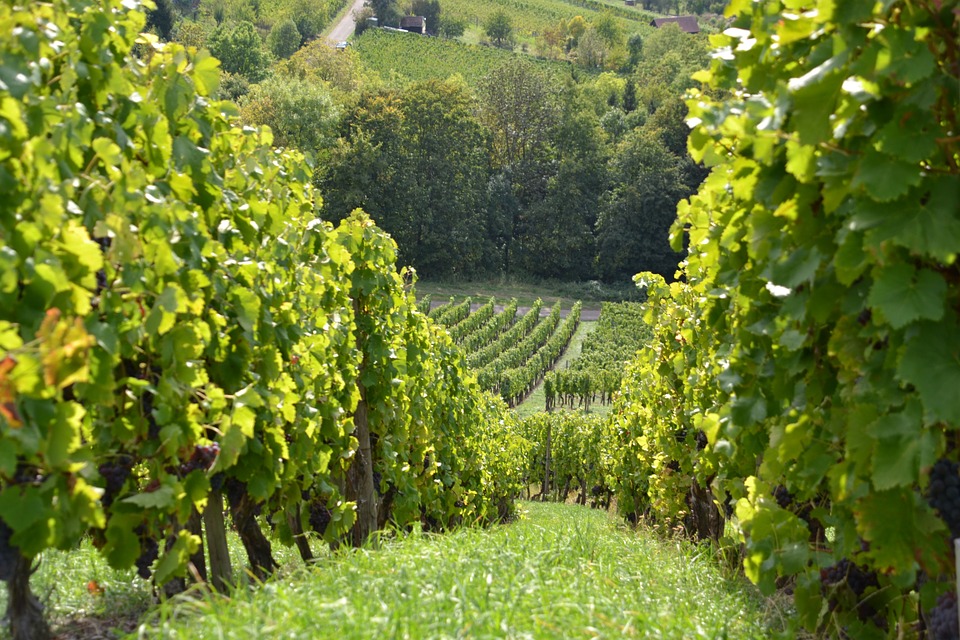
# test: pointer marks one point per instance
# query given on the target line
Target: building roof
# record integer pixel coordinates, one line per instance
(417, 22)
(686, 23)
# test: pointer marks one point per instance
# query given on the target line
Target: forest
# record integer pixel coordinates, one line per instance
(565, 166)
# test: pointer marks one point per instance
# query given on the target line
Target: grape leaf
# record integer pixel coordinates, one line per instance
(904, 295)
(903, 448)
(885, 178)
(931, 363)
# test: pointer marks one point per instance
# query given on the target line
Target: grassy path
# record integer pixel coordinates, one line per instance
(535, 402)
(562, 571)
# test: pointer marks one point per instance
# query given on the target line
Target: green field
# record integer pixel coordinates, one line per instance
(416, 57)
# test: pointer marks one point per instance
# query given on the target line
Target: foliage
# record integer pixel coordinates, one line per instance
(636, 213)
(414, 159)
(319, 62)
(815, 344)
(284, 39)
(162, 18)
(301, 114)
(174, 316)
(621, 331)
(499, 29)
(240, 50)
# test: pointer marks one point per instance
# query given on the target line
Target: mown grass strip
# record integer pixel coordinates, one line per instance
(561, 572)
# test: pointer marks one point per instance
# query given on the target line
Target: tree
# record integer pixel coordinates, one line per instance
(385, 11)
(636, 212)
(499, 28)
(162, 18)
(240, 50)
(415, 160)
(300, 113)
(430, 10)
(519, 105)
(284, 39)
(559, 229)
(319, 62)
(310, 16)
(630, 96)
(451, 27)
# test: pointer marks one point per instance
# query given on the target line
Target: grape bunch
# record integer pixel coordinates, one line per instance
(943, 494)
(782, 495)
(115, 473)
(377, 479)
(203, 458)
(319, 516)
(150, 551)
(942, 621)
(701, 439)
(8, 553)
(856, 577)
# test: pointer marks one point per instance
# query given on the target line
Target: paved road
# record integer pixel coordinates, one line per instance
(344, 28)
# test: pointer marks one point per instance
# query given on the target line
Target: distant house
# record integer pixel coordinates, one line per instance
(630, 3)
(414, 24)
(686, 23)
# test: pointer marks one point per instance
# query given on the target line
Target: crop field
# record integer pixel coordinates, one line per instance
(532, 17)
(421, 58)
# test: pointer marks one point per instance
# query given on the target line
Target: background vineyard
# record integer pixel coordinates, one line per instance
(417, 58)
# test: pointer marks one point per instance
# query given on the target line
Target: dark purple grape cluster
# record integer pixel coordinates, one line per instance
(8, 554)
(149, 552)
(782, 496)
(115, 473)
(701, 439)
(942, 621)
(203, 458)
(855, 576)
(943, 494)
(216, 481)
(377, 479)
(27, 474)
(101, 280)
(319, 516)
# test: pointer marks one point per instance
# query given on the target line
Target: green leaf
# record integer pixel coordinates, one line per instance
(162, 498)
(885, 178)
(903, 448)
(123, 545)
(897, 527)
(801, 161)
(814, 100)
(904, 295)
(206, 73)
(931, 363)
(174, 561)
(64, 436)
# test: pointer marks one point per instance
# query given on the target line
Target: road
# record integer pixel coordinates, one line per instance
(344, 28)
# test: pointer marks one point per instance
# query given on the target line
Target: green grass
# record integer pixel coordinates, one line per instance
(416, 57)
(536, 401)
(117, 599)
(560, 572)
